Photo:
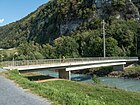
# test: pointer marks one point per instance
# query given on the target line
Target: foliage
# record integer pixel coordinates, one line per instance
(29, 51)
(72, 28)
(66, 46)
(96, 79)
(7, 54)
(132, 72)
(112, 48)
(48, 51)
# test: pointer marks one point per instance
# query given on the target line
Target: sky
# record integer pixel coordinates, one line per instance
(13, 10)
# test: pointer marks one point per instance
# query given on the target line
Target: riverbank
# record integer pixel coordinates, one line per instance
(131, 72)
(74, 93)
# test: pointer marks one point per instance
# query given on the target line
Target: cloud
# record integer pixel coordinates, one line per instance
(1, 21)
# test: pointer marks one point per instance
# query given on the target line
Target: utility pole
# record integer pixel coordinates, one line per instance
(1, 59)
(104, 45)
(15, 54)
(136, 45)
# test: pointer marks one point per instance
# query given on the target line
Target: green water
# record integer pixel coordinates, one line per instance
(121, 83)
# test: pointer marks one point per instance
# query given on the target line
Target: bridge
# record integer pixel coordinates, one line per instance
(65, 66)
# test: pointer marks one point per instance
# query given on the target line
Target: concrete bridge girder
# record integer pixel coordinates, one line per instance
(97, 65)
(66, 73)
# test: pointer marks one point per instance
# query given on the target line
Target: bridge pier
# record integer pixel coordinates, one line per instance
(118, 67)
(63, 74)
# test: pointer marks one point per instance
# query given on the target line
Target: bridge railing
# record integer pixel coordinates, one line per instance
(60, 61)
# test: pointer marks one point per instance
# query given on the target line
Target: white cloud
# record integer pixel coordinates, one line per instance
(1, 21)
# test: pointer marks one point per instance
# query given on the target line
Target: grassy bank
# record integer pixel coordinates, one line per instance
(131, 72)
(134, 68)
(72, 93)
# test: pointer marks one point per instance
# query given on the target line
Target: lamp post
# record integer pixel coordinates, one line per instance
(15, 54)
(1, 58)
(104, 44)
(137, 45)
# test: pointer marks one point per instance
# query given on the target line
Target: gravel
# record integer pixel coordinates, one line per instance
(10, 94)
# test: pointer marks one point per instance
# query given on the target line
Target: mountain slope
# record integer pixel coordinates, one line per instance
(69, 17)
(47, 22)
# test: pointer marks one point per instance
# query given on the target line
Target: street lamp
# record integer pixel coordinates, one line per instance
(104, 44)
(15, 54)
(1, 58)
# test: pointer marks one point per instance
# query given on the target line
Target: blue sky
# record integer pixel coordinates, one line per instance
(13, 10)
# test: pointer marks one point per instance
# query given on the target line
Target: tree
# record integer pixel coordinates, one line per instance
(124, 33)
(112, 49)
(48, 51)
(29, 51)
(96, 47)
(66, 46)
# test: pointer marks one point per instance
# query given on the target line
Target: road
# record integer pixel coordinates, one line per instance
(10, 94)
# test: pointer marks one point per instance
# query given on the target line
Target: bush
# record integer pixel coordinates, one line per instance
(96, 79)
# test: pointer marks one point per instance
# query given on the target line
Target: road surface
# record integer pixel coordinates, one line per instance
(10, 94)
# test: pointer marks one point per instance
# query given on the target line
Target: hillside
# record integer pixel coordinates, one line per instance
(73, 17)
(47, 22)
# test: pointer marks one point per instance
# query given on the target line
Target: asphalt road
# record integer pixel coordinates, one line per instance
(10, 94)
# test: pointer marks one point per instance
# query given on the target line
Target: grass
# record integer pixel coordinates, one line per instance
(132, 71)
(74, 93)
(7, 54)
(134, 68)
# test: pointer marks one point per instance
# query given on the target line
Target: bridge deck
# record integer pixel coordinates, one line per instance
(59, 63)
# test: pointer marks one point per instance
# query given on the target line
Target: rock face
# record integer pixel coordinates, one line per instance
(115, 74)
(129, 10)
(101, 3)
(69, 26)
(132, 8)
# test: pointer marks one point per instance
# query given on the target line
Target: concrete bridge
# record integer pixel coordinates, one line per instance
(65, 66)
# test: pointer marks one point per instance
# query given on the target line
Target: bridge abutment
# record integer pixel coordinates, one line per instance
(118, 67)
(63, 74)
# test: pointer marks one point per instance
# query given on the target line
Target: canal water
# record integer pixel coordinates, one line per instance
(121, 83)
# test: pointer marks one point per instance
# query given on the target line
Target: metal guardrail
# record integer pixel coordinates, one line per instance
(60, 61)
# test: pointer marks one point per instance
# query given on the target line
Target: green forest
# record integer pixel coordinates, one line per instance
(73, 28)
